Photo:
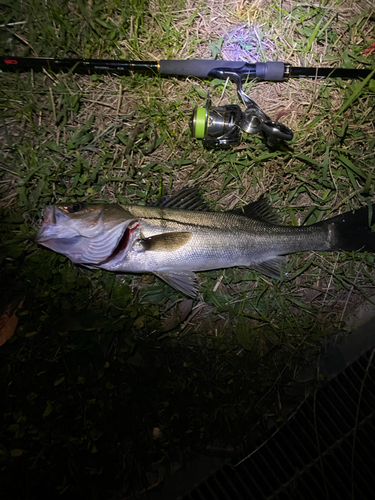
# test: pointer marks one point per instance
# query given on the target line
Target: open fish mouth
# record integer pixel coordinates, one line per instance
(60, 234)
(53, 228)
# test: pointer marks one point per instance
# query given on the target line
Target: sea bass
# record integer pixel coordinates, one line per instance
(178, 236)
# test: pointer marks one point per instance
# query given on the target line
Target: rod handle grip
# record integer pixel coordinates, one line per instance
(270, 71)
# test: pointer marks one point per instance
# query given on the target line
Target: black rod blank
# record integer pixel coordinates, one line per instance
(200, 68)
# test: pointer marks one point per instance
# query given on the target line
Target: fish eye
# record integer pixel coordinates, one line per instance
(75, 208)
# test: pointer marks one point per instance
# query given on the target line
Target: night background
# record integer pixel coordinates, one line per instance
(111, 384)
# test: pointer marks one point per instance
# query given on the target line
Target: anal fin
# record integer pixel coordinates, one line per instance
(273, 268)
(183, 281)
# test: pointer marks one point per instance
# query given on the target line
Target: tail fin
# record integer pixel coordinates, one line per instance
(352, 230)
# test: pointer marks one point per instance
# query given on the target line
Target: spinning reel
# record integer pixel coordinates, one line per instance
(221, 127)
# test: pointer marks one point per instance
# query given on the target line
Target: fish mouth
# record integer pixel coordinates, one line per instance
(50, 229)
(49, 214)
(102, 246)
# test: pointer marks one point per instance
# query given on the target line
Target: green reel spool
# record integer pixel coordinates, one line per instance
(198, 123)
(217, 127)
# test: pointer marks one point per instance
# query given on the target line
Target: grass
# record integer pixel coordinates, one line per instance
(92, 369)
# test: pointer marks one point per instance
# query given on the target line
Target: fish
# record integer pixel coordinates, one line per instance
(179, 236)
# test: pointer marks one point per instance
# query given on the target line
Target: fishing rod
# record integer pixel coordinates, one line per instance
(218, 127)
(200, 68)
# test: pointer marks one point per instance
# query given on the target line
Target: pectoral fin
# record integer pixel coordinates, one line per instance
(273, 268)
(166, 242)
(184, 281)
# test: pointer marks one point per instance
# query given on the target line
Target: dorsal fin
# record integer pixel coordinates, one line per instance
(187, 198)
(259, 210)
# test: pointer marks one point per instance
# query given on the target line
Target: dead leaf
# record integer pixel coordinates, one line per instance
(156, 433)
(9, 322)
(180, 313)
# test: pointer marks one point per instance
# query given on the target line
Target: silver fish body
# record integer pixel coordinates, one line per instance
(174, 242)
(216, 240)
